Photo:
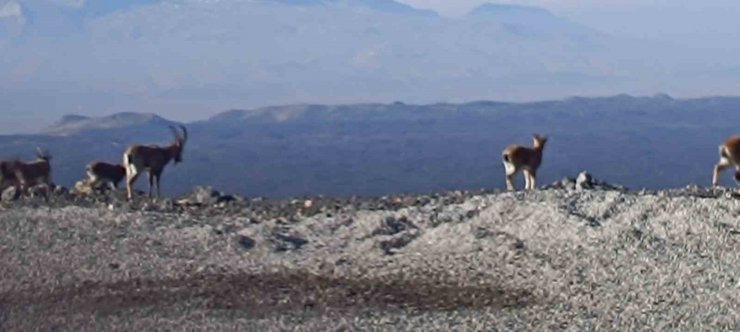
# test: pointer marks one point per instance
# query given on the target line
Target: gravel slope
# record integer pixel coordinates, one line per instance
(551, 259)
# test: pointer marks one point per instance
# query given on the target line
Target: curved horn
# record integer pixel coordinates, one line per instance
(43, 153)
(175, 133)
(184, 133)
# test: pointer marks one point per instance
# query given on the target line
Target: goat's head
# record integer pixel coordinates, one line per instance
(539, 141)
(179, 143)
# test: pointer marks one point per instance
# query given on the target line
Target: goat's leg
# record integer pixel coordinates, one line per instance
(721, 165)
(130, 180)
(151, 183)
(156, 179)
(510, 182)
(527, 179)
(532, 180)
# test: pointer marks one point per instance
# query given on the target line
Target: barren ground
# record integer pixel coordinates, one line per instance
(551, 259)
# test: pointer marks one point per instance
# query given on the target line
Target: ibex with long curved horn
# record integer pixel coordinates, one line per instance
(152, 159)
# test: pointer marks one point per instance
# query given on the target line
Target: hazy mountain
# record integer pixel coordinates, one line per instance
(375, 149)
(389, 6)
(77, 124)
(181, 59)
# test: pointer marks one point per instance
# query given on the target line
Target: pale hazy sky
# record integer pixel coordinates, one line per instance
(459, 7)
(122, 68)
(679, 21)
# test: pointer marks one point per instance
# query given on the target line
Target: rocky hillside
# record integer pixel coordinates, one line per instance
(568, 257)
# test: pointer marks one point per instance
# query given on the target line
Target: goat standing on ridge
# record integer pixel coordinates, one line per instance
(518, 158)
(152, 159)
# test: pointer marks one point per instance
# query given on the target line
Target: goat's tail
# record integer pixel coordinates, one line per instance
(128, 163)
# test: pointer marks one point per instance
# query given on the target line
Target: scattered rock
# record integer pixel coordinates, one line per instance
(206, 196)
(60, 191)
(167, 204)
(10, 194)
(392, 226)
(83, 187)
(283, 239)
(584, 181)
(246, 242)
(391, 245)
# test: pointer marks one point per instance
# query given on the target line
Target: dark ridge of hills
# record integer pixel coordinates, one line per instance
(378, 149)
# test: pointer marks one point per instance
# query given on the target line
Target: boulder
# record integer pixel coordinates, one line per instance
(10, 194)
(246, 242)
(584, 181)
(60, 191)
(392, 226)
(206, 196)
(83, 187)
(284, 239)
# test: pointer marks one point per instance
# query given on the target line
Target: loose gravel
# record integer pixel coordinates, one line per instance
(556, 259)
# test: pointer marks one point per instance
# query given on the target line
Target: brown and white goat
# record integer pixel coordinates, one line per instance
(152, 159)
(99, 172)
(729, 156)
(519, 158)
(29, 174)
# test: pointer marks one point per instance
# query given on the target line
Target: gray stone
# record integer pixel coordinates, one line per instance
(206, 195)
(246, 242)
(392, 226)
(584, 181)
(10, 194)
(283, 239)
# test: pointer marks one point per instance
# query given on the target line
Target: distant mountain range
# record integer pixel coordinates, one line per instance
(78, 124)
(376, 149)
(186, 58)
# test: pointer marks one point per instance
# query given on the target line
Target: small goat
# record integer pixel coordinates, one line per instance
(518, 158)
(101, 172)
(152, 159)
(729, 155)
(29, 174)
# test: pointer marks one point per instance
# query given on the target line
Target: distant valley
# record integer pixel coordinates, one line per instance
(377, 149)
